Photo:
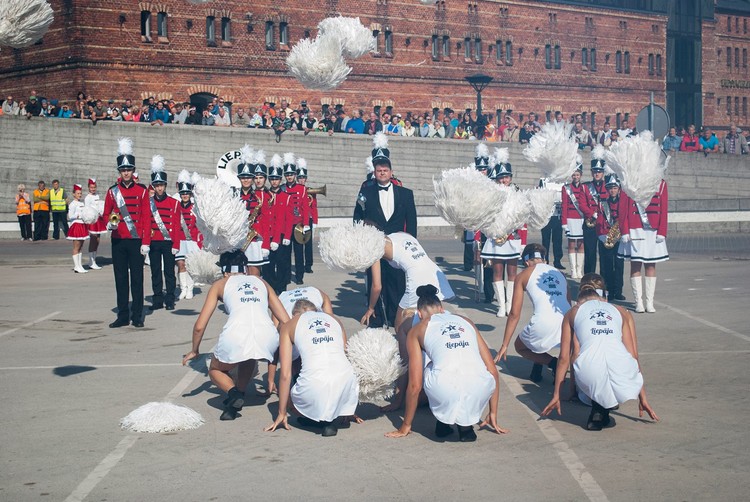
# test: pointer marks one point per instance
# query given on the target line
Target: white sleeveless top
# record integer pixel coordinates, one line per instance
(548, 290)
(605, 371)
(249, 332)
(309, 293)
(326, 387)
(409, 256)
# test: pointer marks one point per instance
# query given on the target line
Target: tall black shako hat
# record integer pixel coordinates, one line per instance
(501, 166)
(301, 168)
(598, 163)
(125, 157)
(158, 174)
(184, 182)
(612, 181)
(482, 159)
(259, 159)
(290, 164)
(246, 169)
(276, 169)
(380, 153)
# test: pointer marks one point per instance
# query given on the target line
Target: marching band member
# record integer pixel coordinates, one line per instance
(165, 237)
(276, 271)
(258, 250)
(313, 203)
(573, 197)
(77, 231)
(482, 164)
(299, 216)
(131, 236)
(97, 228)
(610, 265)
(552, 232)
(594, 194)
(190, 236)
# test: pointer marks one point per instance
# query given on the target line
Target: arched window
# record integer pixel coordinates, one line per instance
(211, 31)
(145, 26)
(269, 36)
(161, 24)
(226, 29)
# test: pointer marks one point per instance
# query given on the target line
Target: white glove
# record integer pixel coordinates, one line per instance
(625, 239)
(595, 215)
(274, 246)
(305, 229)
(660, 239)
(175, 251)
(285, 242)
(264, 252)
(111, 226)
(145, 250)
(565, 229)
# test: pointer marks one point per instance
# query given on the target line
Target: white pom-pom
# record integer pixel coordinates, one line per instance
(195, 178)
(276, 160)
(368, 164)
(482, 150)
(184, 176)
(542, 206)
(89, 214)
(639, 164)
(356, 39)
(553, 150)
(351, 247)
(466, 198)
(380, 140)
(513, 215)
(161, 417)
(501, 155)
(373, 354)
(221, 217)
(259, 157)
(24, 22)
(318, 64)
(598, 152)
(203, 267)
(301, 163)
(124, 146)
(247, 154)
(157, 164)
(289, 158)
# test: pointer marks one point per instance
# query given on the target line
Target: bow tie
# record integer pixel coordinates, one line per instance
(384, 189)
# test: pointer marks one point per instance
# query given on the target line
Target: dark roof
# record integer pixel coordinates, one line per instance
(739, 6)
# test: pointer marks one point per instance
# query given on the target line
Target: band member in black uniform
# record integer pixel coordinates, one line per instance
(610, 264)
(165, 237)
(313, 203)
(552, 232)
(126, 207)
(390, 208)
(594, 194)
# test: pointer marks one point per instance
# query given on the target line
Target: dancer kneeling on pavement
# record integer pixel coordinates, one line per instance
(248, 335)
(548, 291)
(596, 336)
(460, 378)
(327, 387)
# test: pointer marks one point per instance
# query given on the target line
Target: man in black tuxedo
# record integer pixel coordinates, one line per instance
(390, 208)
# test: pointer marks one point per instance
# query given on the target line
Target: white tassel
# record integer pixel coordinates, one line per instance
(351, 247)
(482, 150)
(89, 214)
(380, 140)
(24, 22)
(553, 150)
(184, 176)
(157, 164)
(542, 206)
(318, 64)
(161, 417)
(203, 267)
(373, 354)
(195, 178)
(247, 154)
(466, 198)
(513, 215)
(638, 162)
(356, 39)
(220, 216)
(276, 160)
(124, 146)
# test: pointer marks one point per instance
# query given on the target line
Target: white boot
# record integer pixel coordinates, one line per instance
(650, 286)
(77, 262)
(183, 284)
(635, 284)
(500, 296)
(509, 295)
(580, 261)
(190, 286)
(92, 261)
(573, 259)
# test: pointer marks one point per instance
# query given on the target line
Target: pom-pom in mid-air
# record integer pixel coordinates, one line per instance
(161, 417)
(466, 198)
(24, 22)
(351, 247)
(639, 163)
(541, 206)
(553, 150)
(89, 214)
(220, 216)
(203, 267)
(355, 38)
(373, 354)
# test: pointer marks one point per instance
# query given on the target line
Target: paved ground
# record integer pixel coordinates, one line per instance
(66, 380)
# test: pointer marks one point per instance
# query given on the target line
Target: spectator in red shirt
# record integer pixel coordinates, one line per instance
(690, 141)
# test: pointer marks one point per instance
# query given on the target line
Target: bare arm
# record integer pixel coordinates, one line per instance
(327, 307)
(415, 382)
(199, 328)
(375, 289)
(285, 380)
(277, 308)
(515, 313)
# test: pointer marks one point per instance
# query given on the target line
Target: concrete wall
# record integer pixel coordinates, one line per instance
(74, 150)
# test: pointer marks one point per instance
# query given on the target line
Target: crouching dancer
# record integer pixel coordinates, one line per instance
(460, 378)
(327, 387)
(248, 335)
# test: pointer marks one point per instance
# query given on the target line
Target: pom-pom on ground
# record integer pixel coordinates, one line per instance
(161, 417)
(465, 197)
(351, 247)
(373, 354)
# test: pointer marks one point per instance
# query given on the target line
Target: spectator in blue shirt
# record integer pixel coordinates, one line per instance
(671, 141)
(65, 112)
(709, 142)
(393, 128)
(160, 115)
(356, 125)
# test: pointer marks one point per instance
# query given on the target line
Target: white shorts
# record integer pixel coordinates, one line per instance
(254, 253)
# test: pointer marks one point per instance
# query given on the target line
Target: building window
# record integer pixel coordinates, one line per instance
(211, 30)
(161, 24)
(618, 62)
(509, 53)
(736, 25)
(388, 42)
(558, 57)
(284, 33)
(145, 26)
(744, 107)
(226, 29)
(376, 34)
(729, 57)
(651, 64)
(269, 36)
(736, 105)
(584, 57)
(467, 48)
(744, 26)
(736, 57)
(658, 65)
(627, 62)
(435, 48)
(729, 105)
(499, 51)
(446, 47)
(478, 56)
(729, 24)
(592, 57)
(744, 58)
(548, 56)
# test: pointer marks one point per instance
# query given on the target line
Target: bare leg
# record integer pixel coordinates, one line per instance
(93, 242)
(526, 353)
(497, 270)
(219, 375)
(181, 266)
(650, 269)
(245, 372)
(403, 380)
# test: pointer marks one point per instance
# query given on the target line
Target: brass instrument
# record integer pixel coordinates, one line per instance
(591, 222)
(613, 236)
(114, 219)
(251, 233)
(300, 235)
(316, 191)
(501, 240)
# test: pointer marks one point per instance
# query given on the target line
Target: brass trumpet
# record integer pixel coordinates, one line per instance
(613, 236)
(316, 191)
(501, 240)
(114, 219)
(591, 222)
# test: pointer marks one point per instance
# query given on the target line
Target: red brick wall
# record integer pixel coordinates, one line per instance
(88, 49)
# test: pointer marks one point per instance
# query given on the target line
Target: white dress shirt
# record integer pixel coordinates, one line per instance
(386, 200)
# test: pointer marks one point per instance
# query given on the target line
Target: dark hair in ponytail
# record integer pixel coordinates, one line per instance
(427, 297)
(591, 285)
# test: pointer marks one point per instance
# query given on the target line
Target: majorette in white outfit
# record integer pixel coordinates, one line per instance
(456, 380)
(327, 387)
(249, 332)
(77, 230)
(547, 289)
(191, 240)
(605, 371)
(93, 200)
(409, 256)
(289, 298)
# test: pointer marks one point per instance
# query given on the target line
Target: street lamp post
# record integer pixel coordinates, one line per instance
(478, 82)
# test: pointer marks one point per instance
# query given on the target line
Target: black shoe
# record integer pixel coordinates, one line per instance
(298, 282)
(553, 365)
(329, 430)
(170, 306)
(308, 422)
(595, 421)
(137, 324)
(559, 266)
(466, 434)
(157, 306)
(620, 297)
(229, 414)
(119, 323)
(308, 270)
(235, 399)
(442, 429)
(536, 373)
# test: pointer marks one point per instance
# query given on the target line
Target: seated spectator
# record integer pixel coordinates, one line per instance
(126, 108)
(511, 134)
(624, 131)
(582, 136)
(671, 142)
(614, 137)
(424, 127)
(709, 142)
(690, 141)
(408, 130)
(10, 107)
(281, 123)
(597, 135)
(460, 132)
(146, 114)
(327, 121)
(222, 118)
(134, 114)
(526, 133)
(115, 116)
(339, 125)
(180, 114)
(46, 108)
(373, 125)
(285, 107)
(99, 111)
(449, 129)
(240, 118)
(436, 129)
(533, 120)
(393, 128)
(110, 106)
(734, 143)
(65, 112)
(193, 118)
(296, 121)
(267, 121)
(356, 125)
(309, 123)
(255, 119)
(208, 118)
(491, 132)
(34, 108)
(160, 115)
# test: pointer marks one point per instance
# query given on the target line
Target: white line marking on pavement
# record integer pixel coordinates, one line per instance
(705, 322)
(114, 457)
(694, 352)
(97, 366)
(28, 324)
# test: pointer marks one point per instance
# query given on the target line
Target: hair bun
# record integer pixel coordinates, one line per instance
(426, 291)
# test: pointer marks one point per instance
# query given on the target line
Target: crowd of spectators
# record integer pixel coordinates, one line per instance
(432, 124)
